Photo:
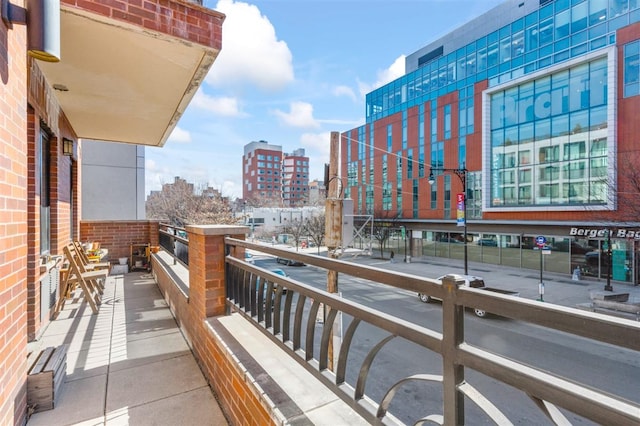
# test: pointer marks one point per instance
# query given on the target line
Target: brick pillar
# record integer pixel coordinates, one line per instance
(206, 267)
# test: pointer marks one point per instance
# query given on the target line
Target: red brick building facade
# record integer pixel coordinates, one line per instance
(39, 184)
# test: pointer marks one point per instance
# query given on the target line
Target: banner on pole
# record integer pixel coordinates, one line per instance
(461, 219)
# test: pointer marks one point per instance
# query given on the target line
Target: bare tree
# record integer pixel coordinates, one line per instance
(315, 228)
(623, 191)
(264, 201)
(384, 222)
(628, 188)
(180, 204)
(296, 228)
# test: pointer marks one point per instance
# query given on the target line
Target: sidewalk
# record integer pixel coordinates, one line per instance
(127, 365)
(559, 289)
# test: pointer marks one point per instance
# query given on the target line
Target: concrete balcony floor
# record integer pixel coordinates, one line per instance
(127, 365)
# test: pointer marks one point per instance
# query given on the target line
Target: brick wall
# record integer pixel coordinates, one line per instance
(44, 116)
(241, 401)
(190, 22)
(62, 187)
(13, 223)
(118, 235)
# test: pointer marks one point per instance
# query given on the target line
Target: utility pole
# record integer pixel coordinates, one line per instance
(333, 225)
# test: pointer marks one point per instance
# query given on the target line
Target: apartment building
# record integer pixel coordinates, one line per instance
(295, 179)
(271, 178)
(261, 173)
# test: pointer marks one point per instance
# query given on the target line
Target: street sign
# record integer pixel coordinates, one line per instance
(541, 241)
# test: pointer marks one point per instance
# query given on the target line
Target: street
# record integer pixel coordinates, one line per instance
(612, 369)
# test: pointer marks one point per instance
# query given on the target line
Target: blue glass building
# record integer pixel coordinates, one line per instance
(536, 101)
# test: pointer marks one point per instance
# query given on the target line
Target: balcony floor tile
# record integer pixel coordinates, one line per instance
(128, 364)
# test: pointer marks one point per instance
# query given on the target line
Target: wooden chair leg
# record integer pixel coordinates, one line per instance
(88, 298)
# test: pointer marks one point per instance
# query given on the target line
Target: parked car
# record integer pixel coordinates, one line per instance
(490, 242)
(289, 262)
(473, 282)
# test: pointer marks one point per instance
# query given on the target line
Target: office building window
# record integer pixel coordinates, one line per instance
(404, 129)
(434, 122)
(386, 197)
(415, 199)
(447, 121)
(434, 196)
(632, 69)
(447, 196)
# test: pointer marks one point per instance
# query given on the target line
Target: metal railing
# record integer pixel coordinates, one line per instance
(174, 240)
(287, 310)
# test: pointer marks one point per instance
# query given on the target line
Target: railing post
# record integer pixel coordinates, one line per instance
(207, 292)
(452, 336)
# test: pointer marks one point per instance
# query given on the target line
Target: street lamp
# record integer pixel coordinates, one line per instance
(462, 175)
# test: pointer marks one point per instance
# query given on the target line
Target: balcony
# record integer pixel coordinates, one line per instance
(265, 345)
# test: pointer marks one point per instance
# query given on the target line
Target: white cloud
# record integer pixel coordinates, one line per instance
(345, 91)
(155, 175)
(317, 148)
(223, 106)
(179, 136)
(320, 143)
(231, 189)
(395, 70)
(300, 115)
(149, 164)
(342, 122)
(251, 51)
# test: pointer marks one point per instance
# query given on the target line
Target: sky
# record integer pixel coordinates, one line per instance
(290, 72)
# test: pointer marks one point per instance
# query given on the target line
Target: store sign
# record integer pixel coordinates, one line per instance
(602, 233)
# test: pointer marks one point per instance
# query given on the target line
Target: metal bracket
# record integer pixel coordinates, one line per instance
(12, 14)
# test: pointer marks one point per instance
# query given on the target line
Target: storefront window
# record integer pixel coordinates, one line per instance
(562, 254)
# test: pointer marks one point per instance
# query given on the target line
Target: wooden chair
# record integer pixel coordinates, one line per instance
(100, 273)
(85, 258)
(89, 280)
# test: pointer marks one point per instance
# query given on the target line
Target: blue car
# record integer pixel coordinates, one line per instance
(277, 271)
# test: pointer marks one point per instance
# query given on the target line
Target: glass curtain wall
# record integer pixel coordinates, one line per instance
(549, 140)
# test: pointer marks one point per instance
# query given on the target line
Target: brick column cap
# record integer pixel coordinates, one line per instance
(217, 229)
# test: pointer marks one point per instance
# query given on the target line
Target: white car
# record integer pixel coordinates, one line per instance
(469, 281)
